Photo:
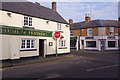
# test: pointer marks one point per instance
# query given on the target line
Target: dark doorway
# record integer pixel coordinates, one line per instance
(41, 47)
(82, 42)
(102, 45)
(73, 44)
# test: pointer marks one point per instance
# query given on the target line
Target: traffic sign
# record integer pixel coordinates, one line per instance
(57, 34)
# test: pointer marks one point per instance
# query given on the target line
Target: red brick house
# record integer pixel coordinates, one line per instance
(100, 35)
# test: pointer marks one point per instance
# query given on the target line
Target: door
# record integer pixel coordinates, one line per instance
(82, 44)
(102, 45)
(41, 47)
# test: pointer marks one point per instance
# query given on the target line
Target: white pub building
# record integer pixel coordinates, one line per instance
(27, 30)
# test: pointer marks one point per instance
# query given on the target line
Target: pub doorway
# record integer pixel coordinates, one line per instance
(41, 47)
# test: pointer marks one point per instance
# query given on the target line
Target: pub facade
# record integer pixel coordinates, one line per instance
(27, 30)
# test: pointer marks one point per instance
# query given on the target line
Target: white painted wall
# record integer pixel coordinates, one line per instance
(11, 43)
(101, 31)
(98, 46)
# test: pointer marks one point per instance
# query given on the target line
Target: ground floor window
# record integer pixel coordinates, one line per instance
(111, 43)
(62, 43)
(90, 43)
(27, 44)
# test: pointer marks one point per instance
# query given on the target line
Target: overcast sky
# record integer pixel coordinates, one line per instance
(77, 10)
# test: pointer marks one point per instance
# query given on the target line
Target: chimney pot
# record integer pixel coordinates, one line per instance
(54, 6)
(70, 21)
(87, 18)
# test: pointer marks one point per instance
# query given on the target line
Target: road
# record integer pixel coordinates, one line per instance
(87, 65)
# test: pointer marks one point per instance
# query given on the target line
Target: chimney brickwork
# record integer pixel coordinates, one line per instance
(54, 6)
(70, 21)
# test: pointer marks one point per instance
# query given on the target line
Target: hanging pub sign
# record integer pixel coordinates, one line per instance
(24, 31)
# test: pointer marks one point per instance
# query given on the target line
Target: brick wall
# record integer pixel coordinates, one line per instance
(76, 32)
(95, 31)
(83, 32)
(115, 31)
(107, 30)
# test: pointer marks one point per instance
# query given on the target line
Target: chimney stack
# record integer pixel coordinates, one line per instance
(87, 17)
(70, 21)
(37, 3)
(54, 6)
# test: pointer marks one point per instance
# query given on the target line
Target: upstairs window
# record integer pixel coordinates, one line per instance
(59, 27)
(27, 21)
(112, 31)
(90, 32)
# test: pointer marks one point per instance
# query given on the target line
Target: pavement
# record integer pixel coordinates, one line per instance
(35, 60)
(76, 65)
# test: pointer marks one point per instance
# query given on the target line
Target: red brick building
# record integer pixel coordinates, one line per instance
(100, 35)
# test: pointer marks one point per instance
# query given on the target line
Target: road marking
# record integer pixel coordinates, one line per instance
(53, 75)
(101, 68)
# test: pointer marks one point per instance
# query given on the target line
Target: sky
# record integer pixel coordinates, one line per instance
(77, 10)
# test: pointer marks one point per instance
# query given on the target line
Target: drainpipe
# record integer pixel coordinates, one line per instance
(78, 43)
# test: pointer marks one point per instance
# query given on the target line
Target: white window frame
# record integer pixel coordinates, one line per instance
(28, 21)
(112, 31)
(59, 26)
(90, 33)
(112, 47)
(30, 44)
(62, 43)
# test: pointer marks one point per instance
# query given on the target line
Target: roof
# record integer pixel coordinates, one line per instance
(33, 10)
(94, 23)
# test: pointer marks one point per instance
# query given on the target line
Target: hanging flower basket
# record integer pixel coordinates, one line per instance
(61, 37)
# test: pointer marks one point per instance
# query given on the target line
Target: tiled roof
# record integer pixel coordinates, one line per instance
(34, 10)
(95, 23)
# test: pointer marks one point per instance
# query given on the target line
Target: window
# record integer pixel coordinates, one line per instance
(62, 43)
(90, 32)
(50, 43)
(112, 31)
(90, 43)
(32, 43)
(28, 44)
(71, 33)
(111, 43)
(59, 27)
(30, 21)
(23, 44)
(27, 21)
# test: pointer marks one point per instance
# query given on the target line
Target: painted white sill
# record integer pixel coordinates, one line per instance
(32, 49)
(62, 48)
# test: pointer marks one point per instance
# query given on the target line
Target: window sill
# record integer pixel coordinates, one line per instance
(60, 31)
(28, 27)
(29, 50)
(62, 48)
